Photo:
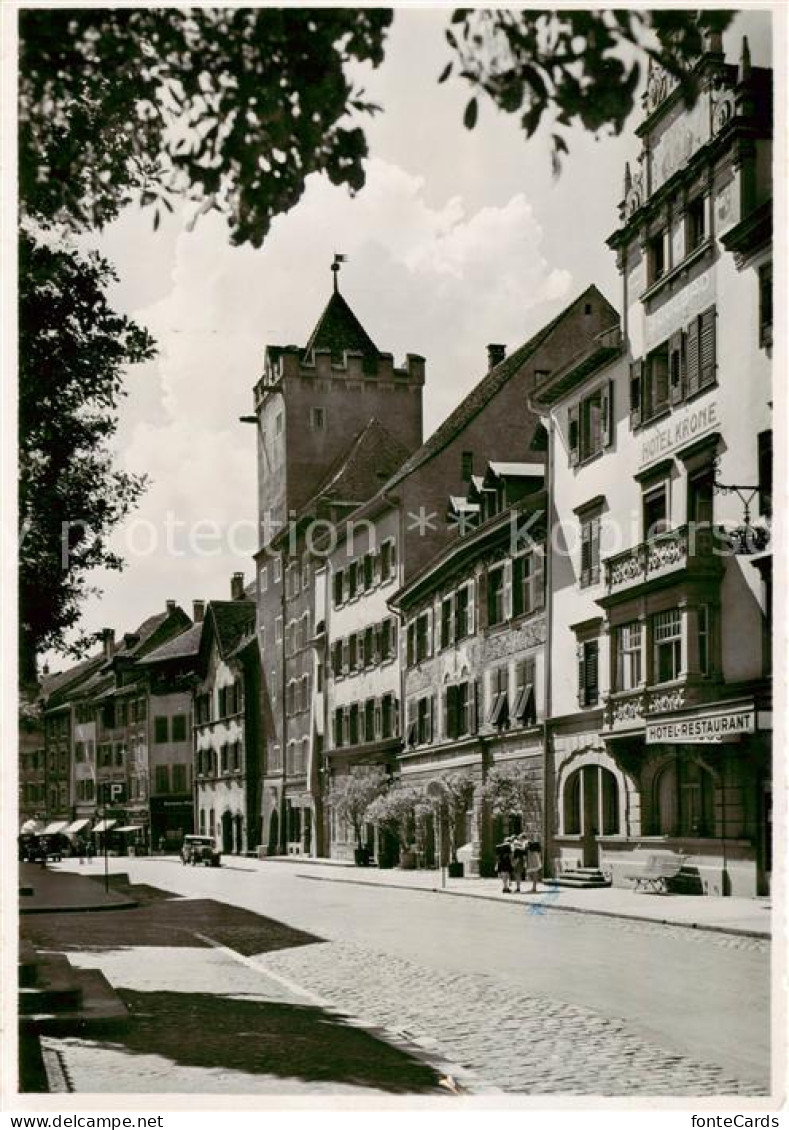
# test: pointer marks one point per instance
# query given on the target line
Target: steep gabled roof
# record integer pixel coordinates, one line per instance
(338, 330)
(184, 646)
(229, 621)
(484, 392)
(54, 687)
(374, 454)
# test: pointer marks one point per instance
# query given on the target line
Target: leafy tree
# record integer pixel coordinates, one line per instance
(454, 792)
(233, 107)
(71, 365)
(510, 791)
(576, 66)
(397, 809)
(353, 794)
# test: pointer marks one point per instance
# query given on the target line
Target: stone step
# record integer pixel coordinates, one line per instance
(55, 989)
(99, 1008)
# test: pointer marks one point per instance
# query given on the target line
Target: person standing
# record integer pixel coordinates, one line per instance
(504, 865)
(518, 861)
(533, 862)
(90, 851)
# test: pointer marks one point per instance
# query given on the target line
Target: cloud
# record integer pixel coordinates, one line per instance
(437, 279)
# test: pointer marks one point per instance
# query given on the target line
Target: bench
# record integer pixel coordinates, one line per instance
(656, 870)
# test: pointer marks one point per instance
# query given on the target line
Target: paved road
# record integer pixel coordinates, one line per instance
(539, 1003)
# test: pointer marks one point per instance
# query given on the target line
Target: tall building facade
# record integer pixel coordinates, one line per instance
(659, 691)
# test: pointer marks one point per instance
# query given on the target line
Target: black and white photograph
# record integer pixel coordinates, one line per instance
(389, 519)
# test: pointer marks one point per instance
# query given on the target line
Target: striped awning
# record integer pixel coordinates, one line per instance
(131, 828)
(30, 828)
(76, 826)
(55, 827)
(105, 825)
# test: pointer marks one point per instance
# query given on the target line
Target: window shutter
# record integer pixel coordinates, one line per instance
(508, 590)
(445, 712)
(474, 705)
(538, 564)
(707, 347)
(607, 414)
(676, 367)
(378, 641)
(573, 438)
(430, 720)
(472, 592)
(581, 675)
(692, 361)
(430, 619)
(590, 662)
(595, 550)
(636, 391)
(410, 642)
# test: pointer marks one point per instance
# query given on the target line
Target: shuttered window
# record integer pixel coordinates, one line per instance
(590, 550)
(707, 348)
(588, 688)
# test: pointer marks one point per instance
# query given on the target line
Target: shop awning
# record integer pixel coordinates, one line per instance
(76, 826)
(131, 828)
(105, 825)
(55, 827)
(30, 828)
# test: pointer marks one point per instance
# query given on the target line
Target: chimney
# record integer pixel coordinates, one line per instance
(198, 611)
(496, 354)
(130, 640)
(108, 639)
(237, 586)
(170, 607)
(744, 67)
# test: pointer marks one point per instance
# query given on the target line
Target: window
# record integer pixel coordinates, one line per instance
(353, 579)
(766, 304)
(305, 692)
(676, 367)
(290, 699)
(369, 571)
(496, 596)
(528, 586)
(695, 223)
(369, 647)
(655, 511)
(424, 720)
(179, 728)
(422, 636)
(160, 729)
(590, 424)
(338, 588)
(179, 779)
(700, 352)
(317, 419)
(656, 392)
(667, 641)
(464, 611)
(765, 457)
(700, 498)
(590, 550)
(353, 724)
(466, 466)
(277, 570)
(628, 671)
(388, 639)
(458, 710)
(336, 658)
(588, 687)
(369, 720)
(704, 639)
(79, 751)
(263, 579)
(388, 560)
(525, 707)
(162, 778)
(446, 621)
(388, 716)
(278, 629)
(338, 728)
(499, 702)
(352, 653)
(656, 257)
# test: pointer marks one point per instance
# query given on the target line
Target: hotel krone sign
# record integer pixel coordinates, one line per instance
(714, 726)
(678, 430)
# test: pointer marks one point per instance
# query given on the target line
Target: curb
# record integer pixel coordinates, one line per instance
(126, 904)
(699, 927)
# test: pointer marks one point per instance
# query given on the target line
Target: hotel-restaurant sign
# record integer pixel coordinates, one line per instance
(716, 726)
(679, 429)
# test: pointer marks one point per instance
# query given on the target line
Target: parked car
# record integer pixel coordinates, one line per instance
(201, 849)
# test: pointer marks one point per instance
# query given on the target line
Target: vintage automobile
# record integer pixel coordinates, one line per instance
(201, 849)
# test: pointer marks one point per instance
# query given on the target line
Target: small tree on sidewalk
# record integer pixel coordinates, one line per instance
(352, 795)
(455, 792)
(397, 810)
(511, 792)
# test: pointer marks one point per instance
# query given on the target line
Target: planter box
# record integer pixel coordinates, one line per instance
(455, 870)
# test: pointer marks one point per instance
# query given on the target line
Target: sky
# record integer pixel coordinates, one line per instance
(459, 238)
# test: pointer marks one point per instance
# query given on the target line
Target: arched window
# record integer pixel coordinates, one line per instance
(572, 804)
(609, 803)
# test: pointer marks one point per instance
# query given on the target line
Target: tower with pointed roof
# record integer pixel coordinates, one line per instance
(312, 400)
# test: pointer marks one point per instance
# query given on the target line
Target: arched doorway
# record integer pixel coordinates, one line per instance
(590, 808)
(273, 833)
(227, 833)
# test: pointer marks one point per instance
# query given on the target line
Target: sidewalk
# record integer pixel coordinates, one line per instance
(59, 892)
(748, 917)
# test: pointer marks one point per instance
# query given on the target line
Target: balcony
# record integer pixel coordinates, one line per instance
(628, 710)
(686, 551)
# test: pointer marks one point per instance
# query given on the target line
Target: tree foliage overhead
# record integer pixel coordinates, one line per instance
(71, 367)
(576, 66)
(352, 795)
(233, 107)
